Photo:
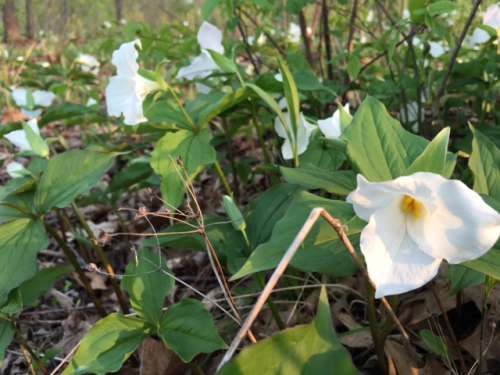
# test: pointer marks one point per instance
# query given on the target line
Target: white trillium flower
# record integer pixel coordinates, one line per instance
(209, 37)
(294, 33)
(331, 127)
(492, 16)
(91, 102)
(437, 49)
(304, 132)
(40, 97)
(88, 63)
(15, 169)
(479, 36)
(414, 223)
(19, 138)
(127, 90)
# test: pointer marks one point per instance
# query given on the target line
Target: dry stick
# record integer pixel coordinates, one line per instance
(315, 214)
(104, 259)
(243, 33)
(442, 88)
(449, 327)
(328, 42)
(65, 359)
(351, 26)
(74, 262)
(305, 37)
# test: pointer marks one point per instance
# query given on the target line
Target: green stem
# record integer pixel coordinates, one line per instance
(104, 259)
(378, 338)
(181, 106)
(223, 178)
(74, 262)
(260, 135)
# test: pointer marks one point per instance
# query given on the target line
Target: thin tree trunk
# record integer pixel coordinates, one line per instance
(30, 20)
(119, 10)
(12, 30)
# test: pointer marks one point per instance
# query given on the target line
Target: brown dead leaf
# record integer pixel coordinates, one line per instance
(12, 115)
(400, 360)
(360, 339)
(157, 359)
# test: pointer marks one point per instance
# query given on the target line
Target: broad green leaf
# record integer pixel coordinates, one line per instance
(324, 153)
(485, 165)
(217, 104)
(322, 251)
(188, 329)
(435, 157)
(31, 290)
(354, 66)
(147, 284)
(489, 263)
(136, 171)
(208, 8)
(263, 213)
(291, 95)
(378, 145)
(310, 349)
(37, 143)
(234, 213)
(441, 7)
(6, 336)
(193, 149)
(462, 277)
(72, 114)
(68, 175)
(269, 100)
(434, 343)
(311, 177)
(20, 241)
(224, 63)
(107, 345)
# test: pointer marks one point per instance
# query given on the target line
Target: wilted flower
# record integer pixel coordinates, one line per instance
(127, 89)
(331, 127)
(492, 16)
(15, 169)
(437, 49)
(88, 63)
(27, 98)
(19, 138)
(414, 222)
(209, 37)
(304, 131)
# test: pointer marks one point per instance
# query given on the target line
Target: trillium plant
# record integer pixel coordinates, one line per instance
(256, 187)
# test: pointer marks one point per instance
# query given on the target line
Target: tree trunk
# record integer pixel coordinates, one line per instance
(119, 10)
(12, 30)
(30, 20)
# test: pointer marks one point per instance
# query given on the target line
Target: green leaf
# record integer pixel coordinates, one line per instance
(441, 7)
(435, 158)
(20, 241)
(489, 263)
(234, 213)
(310, 349)
(434, 343)
(72, 114)
(218, 104)
(6, 335)
(68, 175)
(462, 277)
(353, 66)
(188, 329)
(324, 153)
(378, 145)
(292, 99)
(208, 8)
(484, 163)
(269, 100)
(322, 251)
(136, 171)
(224, 63)
(107, 345)
(311, 177)
(29, 292)
(194, 150)
(147, 285)
(37, 143)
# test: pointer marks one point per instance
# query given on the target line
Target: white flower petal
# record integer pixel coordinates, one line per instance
(331, 126)
(210, 37)
(19, 94)
(304, 133)
(43, 98)
(437, 49)
(15, 169)
(125, 58)
(479, 36)
(201, 67)
(19, 139)
(202, 89)
(278, 77)
(31, 114)
(394, 262)
(458, 225)
(492, 16)
(122, 98)
(294, 32)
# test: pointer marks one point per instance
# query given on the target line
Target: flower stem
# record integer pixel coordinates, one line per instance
(223, 178)
(104, 259)
(74, 262)
(378, 339)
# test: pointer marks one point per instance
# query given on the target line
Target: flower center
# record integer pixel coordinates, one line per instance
(411, 206)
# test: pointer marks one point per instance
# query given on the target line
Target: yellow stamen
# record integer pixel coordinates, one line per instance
(410, 205)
